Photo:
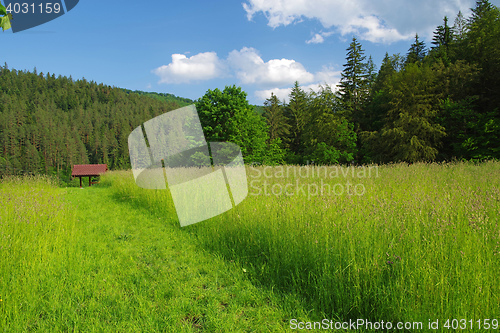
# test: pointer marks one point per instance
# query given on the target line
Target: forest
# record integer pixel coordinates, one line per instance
(437, 102)
(431, 104)
(49, 123)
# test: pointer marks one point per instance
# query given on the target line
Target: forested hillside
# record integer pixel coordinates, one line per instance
(49, 123)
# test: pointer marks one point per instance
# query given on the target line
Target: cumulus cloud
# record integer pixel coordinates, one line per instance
(250, 68)
(326, 77)
(202, 66)
(377, 21)
(246, 64)
(319, 38)
(281, 93)
(275, 75)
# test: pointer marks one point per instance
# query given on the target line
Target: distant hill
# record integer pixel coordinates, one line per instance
(49, 123)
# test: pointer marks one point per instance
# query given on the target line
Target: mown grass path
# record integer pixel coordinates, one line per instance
(153, 277)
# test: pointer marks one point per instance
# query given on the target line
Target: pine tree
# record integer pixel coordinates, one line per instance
(411, 132)
(276, 119)
(459, 27)
(443, 35)
(353, 87)
(387, 68)
(296, 113)
(442, 42)
(416, 52)
(482, 47)
(480, 11)
(329, 138)
(371, 72)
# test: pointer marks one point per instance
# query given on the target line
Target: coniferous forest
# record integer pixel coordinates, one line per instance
(438, 102)
(49, 123)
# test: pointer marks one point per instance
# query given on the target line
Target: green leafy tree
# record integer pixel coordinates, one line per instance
(227, 116)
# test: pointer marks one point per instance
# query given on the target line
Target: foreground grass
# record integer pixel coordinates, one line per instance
(414, 243)
(421, 242)
(90, 261)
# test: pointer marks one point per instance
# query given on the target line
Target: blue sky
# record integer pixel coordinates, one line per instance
(187, 47)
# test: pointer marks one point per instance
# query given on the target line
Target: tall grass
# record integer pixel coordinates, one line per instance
(420, 242)
(84, 261)
(36, 231)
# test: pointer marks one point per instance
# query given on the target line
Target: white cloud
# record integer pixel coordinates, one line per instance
(319, 38)
(281, 93)
(246, 64)
(326, 77)
(284, 93)
(370, 28)
(250, 68)
(202, 66)
(377, 21)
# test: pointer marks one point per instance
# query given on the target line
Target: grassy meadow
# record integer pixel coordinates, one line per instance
(399, 243)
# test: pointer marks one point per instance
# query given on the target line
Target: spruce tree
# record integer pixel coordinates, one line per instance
(296, 113)
(411, 132)
(329, 138)
(480, 10)
(416, 52)
(353, 87)
(441, 41)
(460, 27)
(443, 35)
(276, 119)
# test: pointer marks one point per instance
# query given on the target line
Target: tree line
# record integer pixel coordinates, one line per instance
(431, 104)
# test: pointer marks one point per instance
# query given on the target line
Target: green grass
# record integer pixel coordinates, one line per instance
(86, 260)
(422, 242)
